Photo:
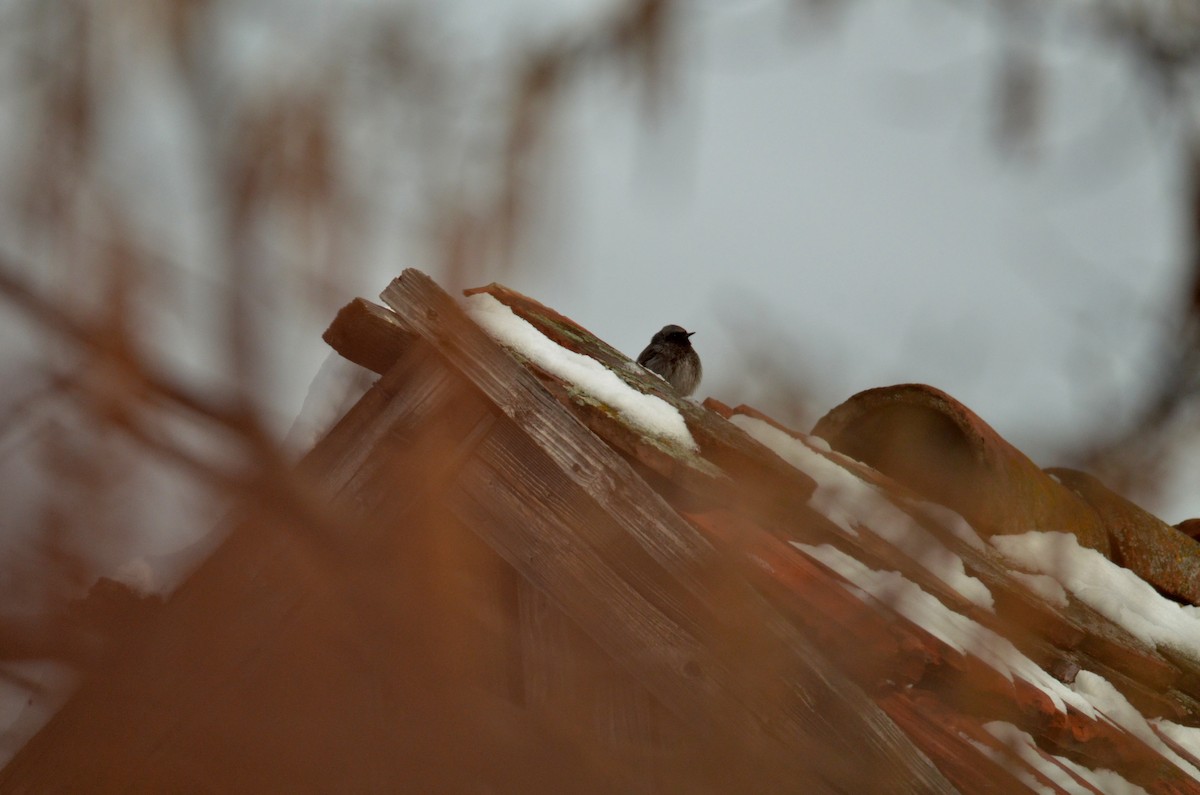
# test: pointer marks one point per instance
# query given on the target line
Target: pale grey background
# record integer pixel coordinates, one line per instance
(838, 193)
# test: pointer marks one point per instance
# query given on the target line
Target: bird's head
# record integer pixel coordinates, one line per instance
(675, 334)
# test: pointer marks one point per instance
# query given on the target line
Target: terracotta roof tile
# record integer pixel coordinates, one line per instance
(929, 441)
(1160, 554)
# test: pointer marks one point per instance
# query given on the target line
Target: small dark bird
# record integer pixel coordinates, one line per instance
(671, 355)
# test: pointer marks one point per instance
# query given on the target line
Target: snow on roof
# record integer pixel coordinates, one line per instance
(1186, 737)
(954, 629)
(883, 548)
(1090, 694)
(850, 502)
(1025, 776)
(871, 516)
(1111, 590)
(1061, 772)
(951, 520)
(1118, 711)
(1044, 586)
(334, 389)
(650, 414)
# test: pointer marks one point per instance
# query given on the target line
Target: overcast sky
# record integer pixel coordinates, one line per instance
(837, 195)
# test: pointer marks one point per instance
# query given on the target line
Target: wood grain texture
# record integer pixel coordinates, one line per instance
(762, 476)
(1050, 635)
(575, 520)
(373, 659)
(368, 335)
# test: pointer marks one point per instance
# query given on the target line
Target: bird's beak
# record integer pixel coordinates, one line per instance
(690, 333)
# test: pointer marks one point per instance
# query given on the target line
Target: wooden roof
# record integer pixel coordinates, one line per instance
(493, 581)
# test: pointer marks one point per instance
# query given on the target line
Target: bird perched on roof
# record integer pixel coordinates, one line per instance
(671, 355)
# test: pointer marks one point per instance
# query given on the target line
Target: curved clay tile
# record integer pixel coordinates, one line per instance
(1190, 527)
(1142, 543)
(938, 447)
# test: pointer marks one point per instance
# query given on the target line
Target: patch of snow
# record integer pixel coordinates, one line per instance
(337, 386)
(952, 521)
(1111, 590)
(817, 443)
(1186, 737)
(849, 502)
(955, 630)
(1107, 781)
(838, 492)
(1042, 586)
(1023, 745)
(1114, 706)
(648, 413)
(1019, 772)
(139, 576)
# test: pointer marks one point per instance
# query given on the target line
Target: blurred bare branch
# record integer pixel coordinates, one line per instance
(1019, 77)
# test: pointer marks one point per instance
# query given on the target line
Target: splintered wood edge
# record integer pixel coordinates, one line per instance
(368, 334)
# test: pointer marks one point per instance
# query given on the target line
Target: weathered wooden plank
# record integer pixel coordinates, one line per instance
(761, 474)
(537, 534)
(373, 659)
(873, 647)
(410, 399)
(917, 663)
(947, 736)
(692, 476)
(419, 393)
(571, 681)
(364, 320)
(551, 533)
(368, 335)
(800, 700)
(418, 398)
(1044, 632)
(371, 336)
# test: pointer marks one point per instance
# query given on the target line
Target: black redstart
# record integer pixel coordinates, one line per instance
(671, 355)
